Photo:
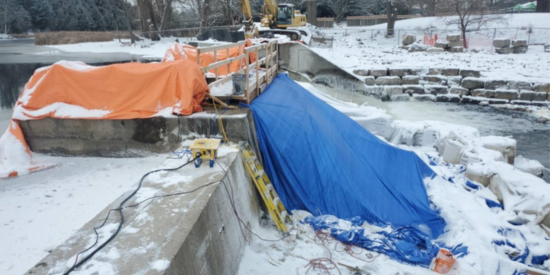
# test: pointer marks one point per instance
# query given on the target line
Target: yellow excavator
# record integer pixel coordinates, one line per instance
(277, 17)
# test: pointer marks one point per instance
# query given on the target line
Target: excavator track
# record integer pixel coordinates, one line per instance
(294, 35)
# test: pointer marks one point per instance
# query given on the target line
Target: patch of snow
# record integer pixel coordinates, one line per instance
(160, 265)
(225, 89)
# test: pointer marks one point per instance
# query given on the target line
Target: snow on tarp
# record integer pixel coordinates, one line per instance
(120, 91)
(321, 161)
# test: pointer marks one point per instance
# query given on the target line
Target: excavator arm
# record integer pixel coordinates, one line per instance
(247, 11)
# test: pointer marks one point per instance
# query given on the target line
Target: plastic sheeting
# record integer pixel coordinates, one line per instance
(321, 161)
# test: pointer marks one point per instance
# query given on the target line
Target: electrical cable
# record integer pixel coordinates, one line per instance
(119, 209)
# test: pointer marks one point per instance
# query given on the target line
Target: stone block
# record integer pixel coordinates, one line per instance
(498, 101)
(435, 50)
(469, 73)
(506, 50)
(471, 83)
(373, 90)
(519, 43)
(519, 50)
(370, 80)
(519, 85)
(496, 84)
(388, 80)
(413, 89)
(447, 98)
(410, 80)
(501, 43)
(409, 39)
(521, 102)
(389, 91)
(483, 93)
(454, 37)
(457, 49)
(400, 97)
(441, 45)
(436, 89)
(454, 80)
(458, 43)
(531, 96)
(460, 91)
(379, 72)
(397, 72)
(361, 72)
(542, 87)
(423, 97)
(506, 94)
(472, 99)
(444, 71)
(434, 79)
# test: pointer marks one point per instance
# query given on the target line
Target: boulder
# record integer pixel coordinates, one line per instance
(531, 96)
(361, 72)
(436, 89)
(400, 97)
(418, 47)
(454, 37)
(470, 73)
(519, 43)
(496, 84)
(379, 72)
(434, 79)
(506, 50)
(423, 97)
(435, 50)
(409, 39)
(441, 45)
(520, 50)
(413, 89)
(447, 98)
(444, 71)
(388, 80)
(506, 94)
(483, 93)
(410, 80)
(459, 91)
(542, 87)
(457, 49)
(370, 80)
(501, 43)
(471, 83)
(454, 80)
(519, 85)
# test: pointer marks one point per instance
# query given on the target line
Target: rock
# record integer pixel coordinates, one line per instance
(390, 91)
(361, 72)
(373, 90)
(441, 45)
(400, 97)
(506, 94)
(434, 79)
(472, 99)
(435, 50)
(496, 84)
(409, 39)
(458, 43)
(397, 72)
(483, 93)
(379, 72)
(470, 73)
(519, 43)
(454, 80)
(436, 89)
(506, 50)
(520, 50)
(459, 91)
(444, 71)
(531, 96)
(501, 43)
(521, 102)
(457, 49)
(418, 47)
(370, 80)
(410, 80)
(471, 83)
(498, 101)
(519, 85)
(388, 80)
(424, 97)
(413, 89)
(447, 98)
(542, 87)
(454, 37)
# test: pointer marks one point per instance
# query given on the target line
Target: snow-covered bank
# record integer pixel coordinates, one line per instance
(41, 210)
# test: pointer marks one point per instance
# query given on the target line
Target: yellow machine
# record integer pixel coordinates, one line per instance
(205, 149)
(278, 17)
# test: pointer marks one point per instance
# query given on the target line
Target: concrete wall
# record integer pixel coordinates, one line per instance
(197, 233)
(132, 137)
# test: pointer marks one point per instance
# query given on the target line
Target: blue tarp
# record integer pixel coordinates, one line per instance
(321, 161)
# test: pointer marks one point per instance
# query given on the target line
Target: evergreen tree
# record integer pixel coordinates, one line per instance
(41, 13)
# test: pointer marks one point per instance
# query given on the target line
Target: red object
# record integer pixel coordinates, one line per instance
(444, 261)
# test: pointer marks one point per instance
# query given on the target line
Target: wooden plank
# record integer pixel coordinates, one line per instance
(220, 47)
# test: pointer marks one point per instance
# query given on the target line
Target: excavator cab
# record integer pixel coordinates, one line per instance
(285, 14)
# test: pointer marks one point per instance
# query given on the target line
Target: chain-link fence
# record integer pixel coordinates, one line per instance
(222, 33)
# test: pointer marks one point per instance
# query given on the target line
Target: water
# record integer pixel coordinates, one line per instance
(533, 138)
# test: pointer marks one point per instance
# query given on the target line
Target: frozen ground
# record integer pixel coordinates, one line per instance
(41, 210)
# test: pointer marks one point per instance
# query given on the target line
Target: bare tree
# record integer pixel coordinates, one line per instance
(338, 7)
(128, 20)
(391, 12)
(426, 7)
(469, 15)
(543, 5)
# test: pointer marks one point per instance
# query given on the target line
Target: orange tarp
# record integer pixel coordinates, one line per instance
(183, 51)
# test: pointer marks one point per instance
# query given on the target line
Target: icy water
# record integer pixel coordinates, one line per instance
(533, 138)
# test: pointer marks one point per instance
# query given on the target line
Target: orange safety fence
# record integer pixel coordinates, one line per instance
(121, 91)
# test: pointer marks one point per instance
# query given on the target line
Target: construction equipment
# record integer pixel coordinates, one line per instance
(205, 149)
(276, 209)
